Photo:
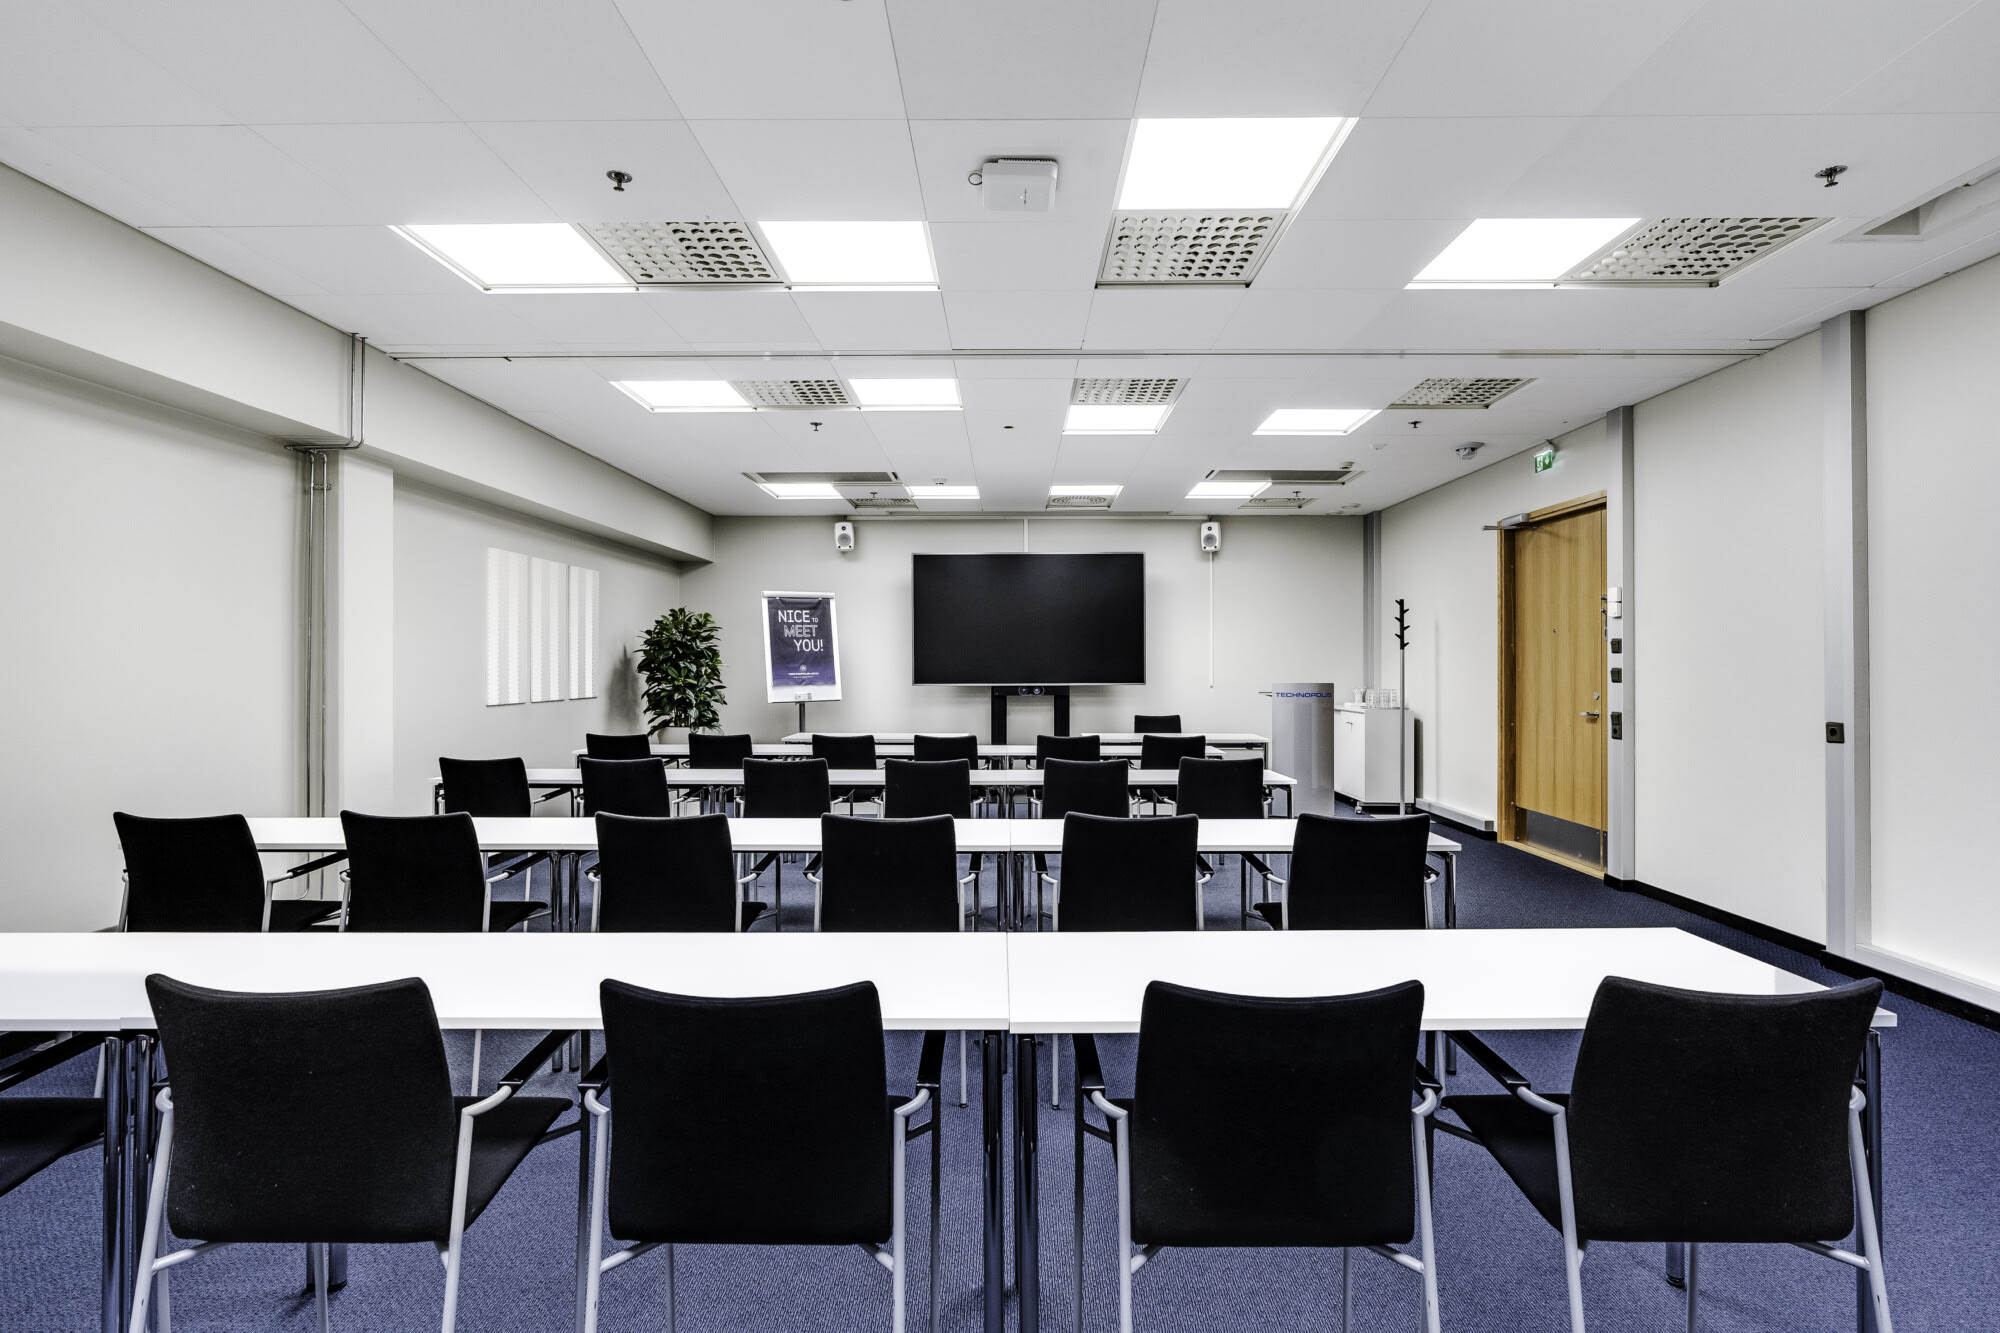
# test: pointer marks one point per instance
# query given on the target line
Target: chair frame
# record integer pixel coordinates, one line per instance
(1869, 1261)
(154, 1266)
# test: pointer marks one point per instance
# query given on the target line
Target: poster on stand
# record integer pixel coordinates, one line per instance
(801, 647)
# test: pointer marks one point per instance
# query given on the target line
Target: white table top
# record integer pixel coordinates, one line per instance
(895, 748)
(97, 982)
(1260, 837)
(1234, 738)
(553, 834)
(1476, 979)
(875, 777)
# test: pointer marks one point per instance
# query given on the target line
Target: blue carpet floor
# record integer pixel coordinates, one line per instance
(1500, 1265)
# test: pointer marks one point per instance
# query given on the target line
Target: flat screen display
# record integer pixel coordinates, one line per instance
(1027, 619)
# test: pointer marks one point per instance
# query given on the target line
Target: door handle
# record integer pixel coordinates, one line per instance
(1589, 713)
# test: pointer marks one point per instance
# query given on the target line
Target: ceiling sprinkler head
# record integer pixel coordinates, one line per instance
(619, 180)
(1831, 175)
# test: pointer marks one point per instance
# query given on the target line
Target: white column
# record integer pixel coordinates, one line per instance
(1620, 768)
(1844, 400)
(361, 735)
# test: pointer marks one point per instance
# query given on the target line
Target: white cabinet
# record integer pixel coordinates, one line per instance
(1364, 754)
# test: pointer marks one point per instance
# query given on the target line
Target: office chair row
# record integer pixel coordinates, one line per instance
(1691, 1118)
(712, 750)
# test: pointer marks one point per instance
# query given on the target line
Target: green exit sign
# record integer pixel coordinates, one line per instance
(1545, 458)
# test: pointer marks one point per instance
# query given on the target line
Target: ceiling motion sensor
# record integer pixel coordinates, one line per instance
(1016, 184)
(619, 180)
(1469, 448)
(1831, 175)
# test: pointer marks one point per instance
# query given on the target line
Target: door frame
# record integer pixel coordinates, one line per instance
(1505, 826)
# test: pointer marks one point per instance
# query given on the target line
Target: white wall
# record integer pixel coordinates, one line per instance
(150, 605)
(1728, 733)
(1435, 556)
(440, 632)
(1286, 602)
(1934, 552)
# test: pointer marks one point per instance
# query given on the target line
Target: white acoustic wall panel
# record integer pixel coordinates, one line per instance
(506, 626)
(548, 589)
(582, 632)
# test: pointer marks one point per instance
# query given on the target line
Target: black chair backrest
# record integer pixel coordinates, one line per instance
(191, 874)
(785, 789)
(845, 751)
(745, 1167)
(1082, 748)
(1357, 874)
(617, 747)
(963, 745)
(1696, 1116)
(1336, 1071)
(914, 788)
(709, 750)
(665, 874)
(626, 787)
(364, 1068)
(421, 872)
(487, 788)
(888, 874)
(1129, 874)
(1221, 788)
(1086, 787)
(1168, 751)
(1156, 722)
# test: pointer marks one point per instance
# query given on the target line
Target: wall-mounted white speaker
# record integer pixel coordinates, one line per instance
(1211, 537)
(843, 536)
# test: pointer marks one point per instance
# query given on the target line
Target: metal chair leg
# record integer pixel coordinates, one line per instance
(1693, 1259)
(321, 1281)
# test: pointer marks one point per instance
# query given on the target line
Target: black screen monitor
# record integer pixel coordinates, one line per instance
(1029, 619)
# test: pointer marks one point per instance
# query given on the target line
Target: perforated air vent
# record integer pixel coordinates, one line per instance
(1688, 252)
(880, 501)
(685, 253)
(1216, 248)
(861, 480)
(1321, 477)
(1079, 502)
(1109, 392)
(1268, 502)
(792, 393)
(1451, 391)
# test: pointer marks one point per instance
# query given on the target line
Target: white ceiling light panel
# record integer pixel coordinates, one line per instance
(684, 395)
(942, 492)
(853, 254)
(1115, 418)
(1520, 252)
(931, 395)
(1315, 420)
(1227, 490)
(1260, 163)
(518, 256)
(800, 490)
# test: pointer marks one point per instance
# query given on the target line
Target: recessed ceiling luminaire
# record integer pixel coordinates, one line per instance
(944, 492)
(1314, 420)
(940, 395)
(1266, 162)
(684, 395)
(1519, 252)
(1085, 490)
(851, 255)
(1227, 490)
(519, 256)
(799, 490)
(1115, 418)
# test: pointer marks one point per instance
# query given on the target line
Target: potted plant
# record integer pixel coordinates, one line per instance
(682, 669)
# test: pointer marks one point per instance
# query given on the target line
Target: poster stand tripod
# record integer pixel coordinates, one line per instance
(1402, 706)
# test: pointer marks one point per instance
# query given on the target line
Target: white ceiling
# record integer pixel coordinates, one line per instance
(277, 142)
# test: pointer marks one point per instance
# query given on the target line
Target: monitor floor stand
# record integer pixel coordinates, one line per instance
(1002, 693)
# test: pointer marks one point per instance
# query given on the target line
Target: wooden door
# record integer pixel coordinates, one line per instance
(1555, 574)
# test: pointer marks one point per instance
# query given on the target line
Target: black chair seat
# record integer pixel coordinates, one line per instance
(1273, 914)
(751, 911)
(512, 912)
(36, 1132)
(1521, 1139)
(298, 913)
(502, 1138)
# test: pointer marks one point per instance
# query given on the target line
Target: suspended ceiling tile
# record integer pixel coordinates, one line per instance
(583, 320)
(59, 66)
(778, 59)
(815, 170)
(522, 59)
(34, 154)
(207, 175)
(1052, 320)
(1088, 154)
(472, 320)
(351, 261)
(1950, 71)
(1308, 320)
(1031, 255)
(564, 163)
(1058, 368)
(1146, 320)
(1046, 396)
(1467, 166)
(705, 318)
(221, 251)
(1030, 59)
(1270, 57)
(884, 321)
(302, 62)
(1354, 254)
(411, 173)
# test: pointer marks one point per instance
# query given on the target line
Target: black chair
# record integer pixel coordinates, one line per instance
(617, 747)
(1167, 752)
(708, 750)
(1157, 722)
(1082, 748)
(1128, 874)
(712, 1147)
(636, 787)
(38, 1132)
(204, 874)
(960, 745)
(846, 752)
(1225, 789)
(668, 874)
(491, 789)
(1084, 787)
(784, 789)
(915, 788)
(365, 1067)
(1267, 1122)
(1694, 1117)
(888, 874)
(1354, 874)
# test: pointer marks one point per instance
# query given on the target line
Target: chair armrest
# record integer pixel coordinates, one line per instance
(1207, 870)
(524, 1069)
(1426, 1080)
(1089, 1072)
(42, 1061)
(1489, 1060)
(317, 863)
(599, 1077)
(1256, 863)
(750, 878)
(813, 863)
(930, 1063)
